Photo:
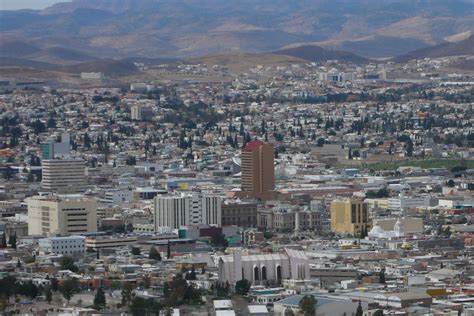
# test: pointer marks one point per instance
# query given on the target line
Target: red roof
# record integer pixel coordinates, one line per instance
(253, 145)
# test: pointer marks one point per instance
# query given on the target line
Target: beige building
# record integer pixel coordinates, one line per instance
(63, 176)
(285, 218)
(258, 170)
(61, 215)
(349, 217)
(410, 225)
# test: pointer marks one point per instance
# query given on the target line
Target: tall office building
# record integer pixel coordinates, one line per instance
(63, 176)
(349, 217)
(61, 214)
(187, 209)
(52, 149)
(258, 171)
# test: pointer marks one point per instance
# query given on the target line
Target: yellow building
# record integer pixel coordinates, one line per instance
(377, 203)
(349, 217)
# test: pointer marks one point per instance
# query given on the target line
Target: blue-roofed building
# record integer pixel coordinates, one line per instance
(325, 305)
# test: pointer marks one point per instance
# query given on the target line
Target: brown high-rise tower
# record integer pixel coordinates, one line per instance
(258, 173)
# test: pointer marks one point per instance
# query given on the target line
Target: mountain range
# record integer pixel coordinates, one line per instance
(83, 31)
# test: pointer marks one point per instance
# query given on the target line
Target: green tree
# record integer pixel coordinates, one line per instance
(359, 311)
(141, 306)
(382, 276)
(67, 263)
(28, 289)
(68, 288)
(308, 305)
(320, 142)
(154, 254)
(12, 241)
(54, 284)
(289, 312)
(99, 299)
(378, 312)
(136, 251)
(127, 290)
(48, 295)
(267, 234)
(8, 286)
(166, 290)
(3, 241)
(219, 241)
(242, 287)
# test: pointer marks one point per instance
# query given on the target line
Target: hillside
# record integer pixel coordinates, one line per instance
(189, 28)
(244, 61)
(464, 47)
(317, 54)
(112, 68)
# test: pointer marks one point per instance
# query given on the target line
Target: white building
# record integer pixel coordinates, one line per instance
(117, 196)
(61, 215)
(409, 202)
(63, 175)
(73, 246)
(92, 75)
(264, 268)
(187, 209)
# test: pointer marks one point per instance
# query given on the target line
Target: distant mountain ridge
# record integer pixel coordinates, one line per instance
(187, 28)
(464, 47)
(316, 53)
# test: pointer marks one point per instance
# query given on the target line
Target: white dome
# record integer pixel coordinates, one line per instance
(376, 230)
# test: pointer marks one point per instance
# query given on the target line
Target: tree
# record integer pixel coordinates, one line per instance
(141, 306)
(28, 289)
(320, 142)
(267, 234)
(54, 284)
(219, 241)
(289, 312)
(308, 305)
(378, 312)
(99, 299)
(359, 311)
(166, 290)
(8, 286)
(242, 287)
(48, 295)
(3, 241)
(12, 241)
(67, 263)
(68, 288)
(136, 251)
(191, 275)
(154, 254)
(382, 276)
(127, 290)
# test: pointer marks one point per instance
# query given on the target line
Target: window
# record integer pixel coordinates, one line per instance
(353, 213)
(256, 275)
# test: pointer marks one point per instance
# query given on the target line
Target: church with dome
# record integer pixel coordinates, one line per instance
(377, 232)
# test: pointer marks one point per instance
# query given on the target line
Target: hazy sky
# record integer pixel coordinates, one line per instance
(27, 4)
